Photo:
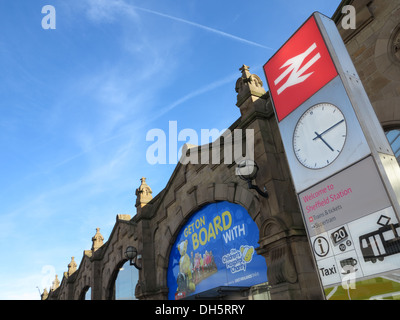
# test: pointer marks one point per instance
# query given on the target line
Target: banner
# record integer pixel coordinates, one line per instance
(216, 247)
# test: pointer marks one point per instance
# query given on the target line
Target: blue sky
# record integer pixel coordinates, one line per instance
(77, 102)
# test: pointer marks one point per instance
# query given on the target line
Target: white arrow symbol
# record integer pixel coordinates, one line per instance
(296, 75)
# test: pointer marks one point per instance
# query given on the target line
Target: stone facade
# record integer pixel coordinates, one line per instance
(374, 46)
(283, 241)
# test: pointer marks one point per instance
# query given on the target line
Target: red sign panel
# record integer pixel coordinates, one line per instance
(299, 69)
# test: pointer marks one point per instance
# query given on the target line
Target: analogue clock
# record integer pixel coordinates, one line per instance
(319, 136)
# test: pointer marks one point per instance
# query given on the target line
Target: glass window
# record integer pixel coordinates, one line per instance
(126, 281)
(388, 235)
(364, 243)
(393, 137)
(88, 294)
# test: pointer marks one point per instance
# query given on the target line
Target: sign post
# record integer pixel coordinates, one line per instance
(345, 174)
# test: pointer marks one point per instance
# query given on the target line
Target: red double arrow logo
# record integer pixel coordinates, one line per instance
(299, 69)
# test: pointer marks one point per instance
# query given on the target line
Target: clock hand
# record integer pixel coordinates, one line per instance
(335, 125)
(322, 139)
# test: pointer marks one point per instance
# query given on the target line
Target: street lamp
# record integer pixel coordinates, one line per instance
(247, 170)
(132, 255)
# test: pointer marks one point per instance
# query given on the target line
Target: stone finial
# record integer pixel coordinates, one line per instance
(248, 85)
(143, 195)
(45, 294)
(56, 284)
(97, 240)
(72, 266)
(245, 71)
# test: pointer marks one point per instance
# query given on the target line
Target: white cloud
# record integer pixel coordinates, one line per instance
(22, 287)
(109, 10)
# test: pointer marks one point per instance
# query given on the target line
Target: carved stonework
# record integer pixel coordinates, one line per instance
(248, 84)
(72, 266)
(45, 294)
(395, 45)
(138, 289)
(97, 240)
(251, 80)
(56, 284)
(275, 246)
(143, 195)
(281, 268)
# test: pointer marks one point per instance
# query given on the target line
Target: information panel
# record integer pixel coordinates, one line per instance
(216, 247)
(343, 169)
(352, 225)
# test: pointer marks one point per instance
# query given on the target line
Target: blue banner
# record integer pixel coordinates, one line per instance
(216, 247)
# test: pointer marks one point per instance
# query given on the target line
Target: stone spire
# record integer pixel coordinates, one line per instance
(97, 240)
(56, 284)
(45, 294)
(72, 266)
(143, 195)
(248, 86)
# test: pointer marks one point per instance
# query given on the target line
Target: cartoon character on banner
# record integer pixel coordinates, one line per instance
(184, 280)
(247, 253)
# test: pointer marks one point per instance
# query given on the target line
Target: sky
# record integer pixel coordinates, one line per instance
(78, 100)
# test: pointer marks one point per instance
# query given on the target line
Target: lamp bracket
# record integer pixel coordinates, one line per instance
(259, 191)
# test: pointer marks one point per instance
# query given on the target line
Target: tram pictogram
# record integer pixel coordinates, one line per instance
(381, 243)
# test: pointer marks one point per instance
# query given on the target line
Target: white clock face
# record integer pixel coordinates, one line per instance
(319, 136)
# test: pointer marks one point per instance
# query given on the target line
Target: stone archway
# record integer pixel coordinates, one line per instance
(110, 288)
(220, 245)
(122, 288)
(84, 291)
(196, 198)
(281, 245)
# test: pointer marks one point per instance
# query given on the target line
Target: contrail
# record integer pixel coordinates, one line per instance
(163, 111)
(228, 35)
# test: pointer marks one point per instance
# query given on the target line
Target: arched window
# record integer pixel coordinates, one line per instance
(393, 137)
(126, 281)
(214, 256)
(88, 294)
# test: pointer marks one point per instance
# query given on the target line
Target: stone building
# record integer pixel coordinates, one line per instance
(375, 49)
(282, 240)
